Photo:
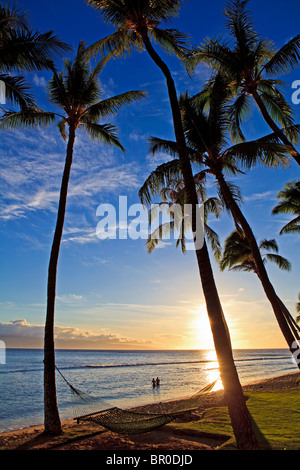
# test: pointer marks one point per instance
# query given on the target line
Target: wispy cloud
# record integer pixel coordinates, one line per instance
(265, 195)
(39, 81)
(31, 172)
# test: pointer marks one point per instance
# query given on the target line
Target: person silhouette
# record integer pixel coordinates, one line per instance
(153, 382)
(157, 382)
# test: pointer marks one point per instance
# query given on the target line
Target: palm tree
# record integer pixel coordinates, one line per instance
(137, 22)
(76, 91)
(237, 254)
(23, 49)
(289, 204)
(251, 67)
(206, 135)
(173, 202)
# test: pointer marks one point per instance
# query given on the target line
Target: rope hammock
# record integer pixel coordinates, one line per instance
(125, 421)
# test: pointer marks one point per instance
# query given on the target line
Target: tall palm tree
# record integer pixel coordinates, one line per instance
(137, 22)
(289, 204)
(23, 49)
(251, 66)
(206, 134)
(76, 91)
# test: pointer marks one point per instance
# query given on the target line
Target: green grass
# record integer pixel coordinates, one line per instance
(276, 420)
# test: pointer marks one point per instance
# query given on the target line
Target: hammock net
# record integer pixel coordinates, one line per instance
(88, 408)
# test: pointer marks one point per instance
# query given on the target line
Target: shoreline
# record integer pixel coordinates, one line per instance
(91, 436)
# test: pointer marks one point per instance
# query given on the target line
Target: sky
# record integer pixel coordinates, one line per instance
(112, 294)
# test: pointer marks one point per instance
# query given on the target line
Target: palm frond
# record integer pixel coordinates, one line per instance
(237, 113)
(162, 232)
(27, 118)
(266, 151)
(286, 59)
(291, 227)
(29, 51)
(62, 129)
(214, 241)
(269, 245)
(213, 205)
(281, 262)
(236, 252)
(118, 44)
(98, 67)
(104, 132)
(278, 109)
(17, 91)
(214, 52)
(113, 105)
(240, 24)
(289, 204)
(286, 207)
(57, 92)
(196, 126)
(12, 18)
(235, 193)
(162, 145)
(118, 12)
(160, 178)
(171, 40)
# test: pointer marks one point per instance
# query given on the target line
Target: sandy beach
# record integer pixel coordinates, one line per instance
(88, 436)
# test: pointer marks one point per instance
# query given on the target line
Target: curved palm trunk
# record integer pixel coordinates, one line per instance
(282, 314)
(233, 393)
(52, 424)
(291, 149)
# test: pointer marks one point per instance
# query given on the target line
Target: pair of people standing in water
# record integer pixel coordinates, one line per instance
(155, 383)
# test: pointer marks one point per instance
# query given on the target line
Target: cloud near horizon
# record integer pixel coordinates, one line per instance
(21, 334)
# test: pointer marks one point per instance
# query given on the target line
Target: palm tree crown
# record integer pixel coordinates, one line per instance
(134, 18)
(169, 187)
(251, 67)
(77, 92)
(237, 254)
(23, 50)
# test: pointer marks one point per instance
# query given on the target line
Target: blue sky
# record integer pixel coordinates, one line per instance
(112, 294)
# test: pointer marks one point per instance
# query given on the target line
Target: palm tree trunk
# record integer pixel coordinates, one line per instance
(52, 424)
(233, 393)
(277, 305)
(291, 149)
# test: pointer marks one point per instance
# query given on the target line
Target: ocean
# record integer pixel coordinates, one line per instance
(120, 378)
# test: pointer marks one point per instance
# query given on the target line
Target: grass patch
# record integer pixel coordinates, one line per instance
(276, 420)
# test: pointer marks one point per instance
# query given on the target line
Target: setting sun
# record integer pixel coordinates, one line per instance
(201, 330)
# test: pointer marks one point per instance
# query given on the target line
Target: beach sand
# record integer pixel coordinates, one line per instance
(88, 436)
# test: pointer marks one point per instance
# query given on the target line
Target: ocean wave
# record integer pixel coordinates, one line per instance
(203, 361)
(146, 364)
(140, 364)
